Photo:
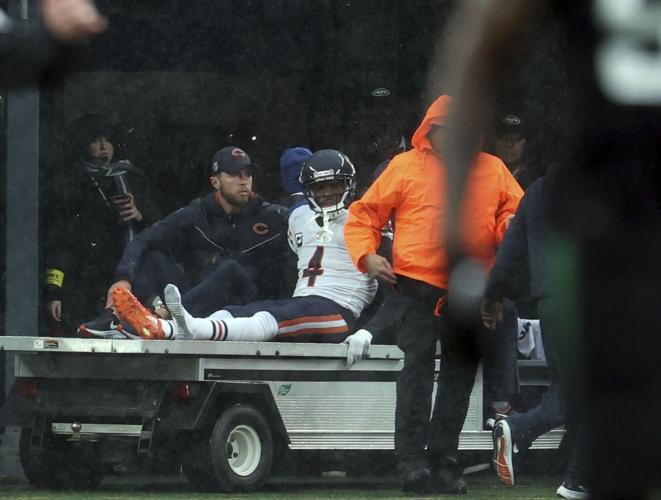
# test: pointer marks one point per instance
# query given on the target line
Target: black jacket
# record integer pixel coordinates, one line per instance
(525, 238)
(84, 236)
(201, 234)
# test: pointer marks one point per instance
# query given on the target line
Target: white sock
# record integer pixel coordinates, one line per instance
(188, 327)
(169, 328)
(260, 327)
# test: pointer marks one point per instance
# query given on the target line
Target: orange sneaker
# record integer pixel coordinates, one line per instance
(141, 319)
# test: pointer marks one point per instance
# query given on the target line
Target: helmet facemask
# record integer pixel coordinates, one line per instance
(329, 201)
(319, 202)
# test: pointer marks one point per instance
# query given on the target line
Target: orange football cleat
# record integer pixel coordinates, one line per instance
(141, 319)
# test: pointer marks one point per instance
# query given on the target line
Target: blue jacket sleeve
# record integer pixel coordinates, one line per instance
(512, 251)
(162, 235)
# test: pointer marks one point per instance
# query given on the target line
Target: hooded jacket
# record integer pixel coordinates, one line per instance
(413, 189)
(291, 162)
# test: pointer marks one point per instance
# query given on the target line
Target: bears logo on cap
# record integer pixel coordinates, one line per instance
(238, 154)
(214, 167)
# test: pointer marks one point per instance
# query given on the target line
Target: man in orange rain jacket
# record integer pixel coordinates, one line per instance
(413, 189)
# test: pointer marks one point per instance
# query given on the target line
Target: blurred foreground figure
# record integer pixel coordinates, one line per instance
(27, 53)
(606, 220)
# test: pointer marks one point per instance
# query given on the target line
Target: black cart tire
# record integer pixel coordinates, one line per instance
(53, 467)
(238, 452)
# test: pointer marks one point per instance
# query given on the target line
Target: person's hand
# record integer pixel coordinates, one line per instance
(54, 308)
(125, 205)
(70, 21)
(116, 284)
(378, 267)
(492, 313)
(359, 345)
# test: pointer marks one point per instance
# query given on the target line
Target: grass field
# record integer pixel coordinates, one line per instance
(483, 485)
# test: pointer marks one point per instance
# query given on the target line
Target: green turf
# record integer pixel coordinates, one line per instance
(484, 485)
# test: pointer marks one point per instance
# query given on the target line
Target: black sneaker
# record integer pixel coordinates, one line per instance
(446, 481)
(417, 481)
(107, 326)
(447, 477)
(572, 491)
(503, 452)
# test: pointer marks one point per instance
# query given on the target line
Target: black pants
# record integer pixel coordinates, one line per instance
(500, 355)
(419, 441)
(228, 283)
(550, 412)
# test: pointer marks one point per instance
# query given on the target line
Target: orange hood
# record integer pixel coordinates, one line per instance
(436, 115)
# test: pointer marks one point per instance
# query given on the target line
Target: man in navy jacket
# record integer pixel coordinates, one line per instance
(229, 247)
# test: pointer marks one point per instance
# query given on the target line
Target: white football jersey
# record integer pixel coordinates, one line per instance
(324, 265)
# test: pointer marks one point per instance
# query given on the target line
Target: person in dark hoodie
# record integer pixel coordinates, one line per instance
(229, 247)
(94, 206)
(527, 238)
(291, 161)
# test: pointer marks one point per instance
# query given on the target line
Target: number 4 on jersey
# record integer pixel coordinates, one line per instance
(314, 266)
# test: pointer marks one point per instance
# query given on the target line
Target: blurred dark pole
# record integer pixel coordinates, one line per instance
(22, 229)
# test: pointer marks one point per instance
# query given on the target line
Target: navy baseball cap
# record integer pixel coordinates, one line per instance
(230, 160)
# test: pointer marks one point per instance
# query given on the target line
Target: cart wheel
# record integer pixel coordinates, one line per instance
(42, 466)
(57, 467)
(239, 451)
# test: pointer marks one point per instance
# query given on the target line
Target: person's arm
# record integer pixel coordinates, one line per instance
(513, 248)
(367, 216)
(510, 197)
(501, 282)
(59, 238)
(27, 52)
(172, 230)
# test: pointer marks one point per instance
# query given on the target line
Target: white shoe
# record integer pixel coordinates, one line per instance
(577, 492)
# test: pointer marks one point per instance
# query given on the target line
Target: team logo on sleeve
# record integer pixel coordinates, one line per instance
(298, 239)
(260, 228)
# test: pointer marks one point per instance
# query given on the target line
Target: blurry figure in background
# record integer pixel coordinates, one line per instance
(509, 144)
(526, 238)
(291, 161)
(29, 51)
(228, 247)
(411, 189)
(93, 209)
(378, 135)
(386, 145)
